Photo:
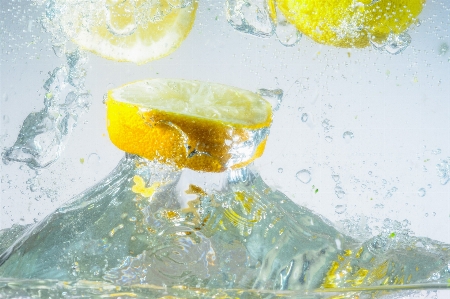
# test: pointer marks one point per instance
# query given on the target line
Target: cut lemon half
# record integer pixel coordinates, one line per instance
(350, 23)
(127, 30)
(189, 124)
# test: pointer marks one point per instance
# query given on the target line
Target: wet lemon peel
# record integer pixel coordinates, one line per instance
(349, 23)
(184, 140)
(153, 39)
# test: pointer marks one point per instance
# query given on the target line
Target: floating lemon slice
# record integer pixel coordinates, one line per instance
(349, 23)
(128, 30)
(198, 125)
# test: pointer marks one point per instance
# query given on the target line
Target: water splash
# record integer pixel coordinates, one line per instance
(43, 134)
(274, 96)
(250, 17)
(443, 170)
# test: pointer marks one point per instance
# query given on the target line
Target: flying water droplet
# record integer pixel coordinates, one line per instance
(340, 193)
(422, 192)
(339, 209)
(347, 135)
(304, 176)
(304, 117)
(436, 151)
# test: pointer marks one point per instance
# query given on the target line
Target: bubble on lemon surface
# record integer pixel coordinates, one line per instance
(250, 17)
(304, 176)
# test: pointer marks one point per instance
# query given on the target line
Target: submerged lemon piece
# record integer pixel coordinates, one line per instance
(198, 125)
(350, 23)
(128, 30)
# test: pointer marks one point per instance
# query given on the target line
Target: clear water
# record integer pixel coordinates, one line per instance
(242, 235)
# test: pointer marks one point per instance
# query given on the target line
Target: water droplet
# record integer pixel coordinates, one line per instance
(304, 176)
(280, 170)
(304, 117)
(340, 193)
(93, 160)
(429, 186)
(5, 119)
(363, 186)
(347, 135)
(34, 187)
(339, 209)
(370, 172)
(328, 139)
(443, 48)
(422, 192)
(436, 151)
(335, 177)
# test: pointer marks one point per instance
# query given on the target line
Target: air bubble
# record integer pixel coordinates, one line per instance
(339, 209)
(304, 117)
(347, 135)
(304, 176)
(422, 192)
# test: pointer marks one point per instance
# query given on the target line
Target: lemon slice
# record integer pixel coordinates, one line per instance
(350, 23)
(127, 30)
(198, 125)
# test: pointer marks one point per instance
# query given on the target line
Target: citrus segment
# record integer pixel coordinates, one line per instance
(128, 30)
(350, 23)
(197, 125)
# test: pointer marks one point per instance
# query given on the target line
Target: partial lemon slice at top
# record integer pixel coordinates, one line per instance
(350, 23)
(127, 30)
(198, 125)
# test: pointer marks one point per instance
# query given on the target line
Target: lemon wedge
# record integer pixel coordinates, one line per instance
(198, 125)
(350, 23)
(128, 30)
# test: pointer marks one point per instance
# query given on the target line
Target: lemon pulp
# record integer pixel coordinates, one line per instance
(198, 125)
(350, 23)
(133, 30)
